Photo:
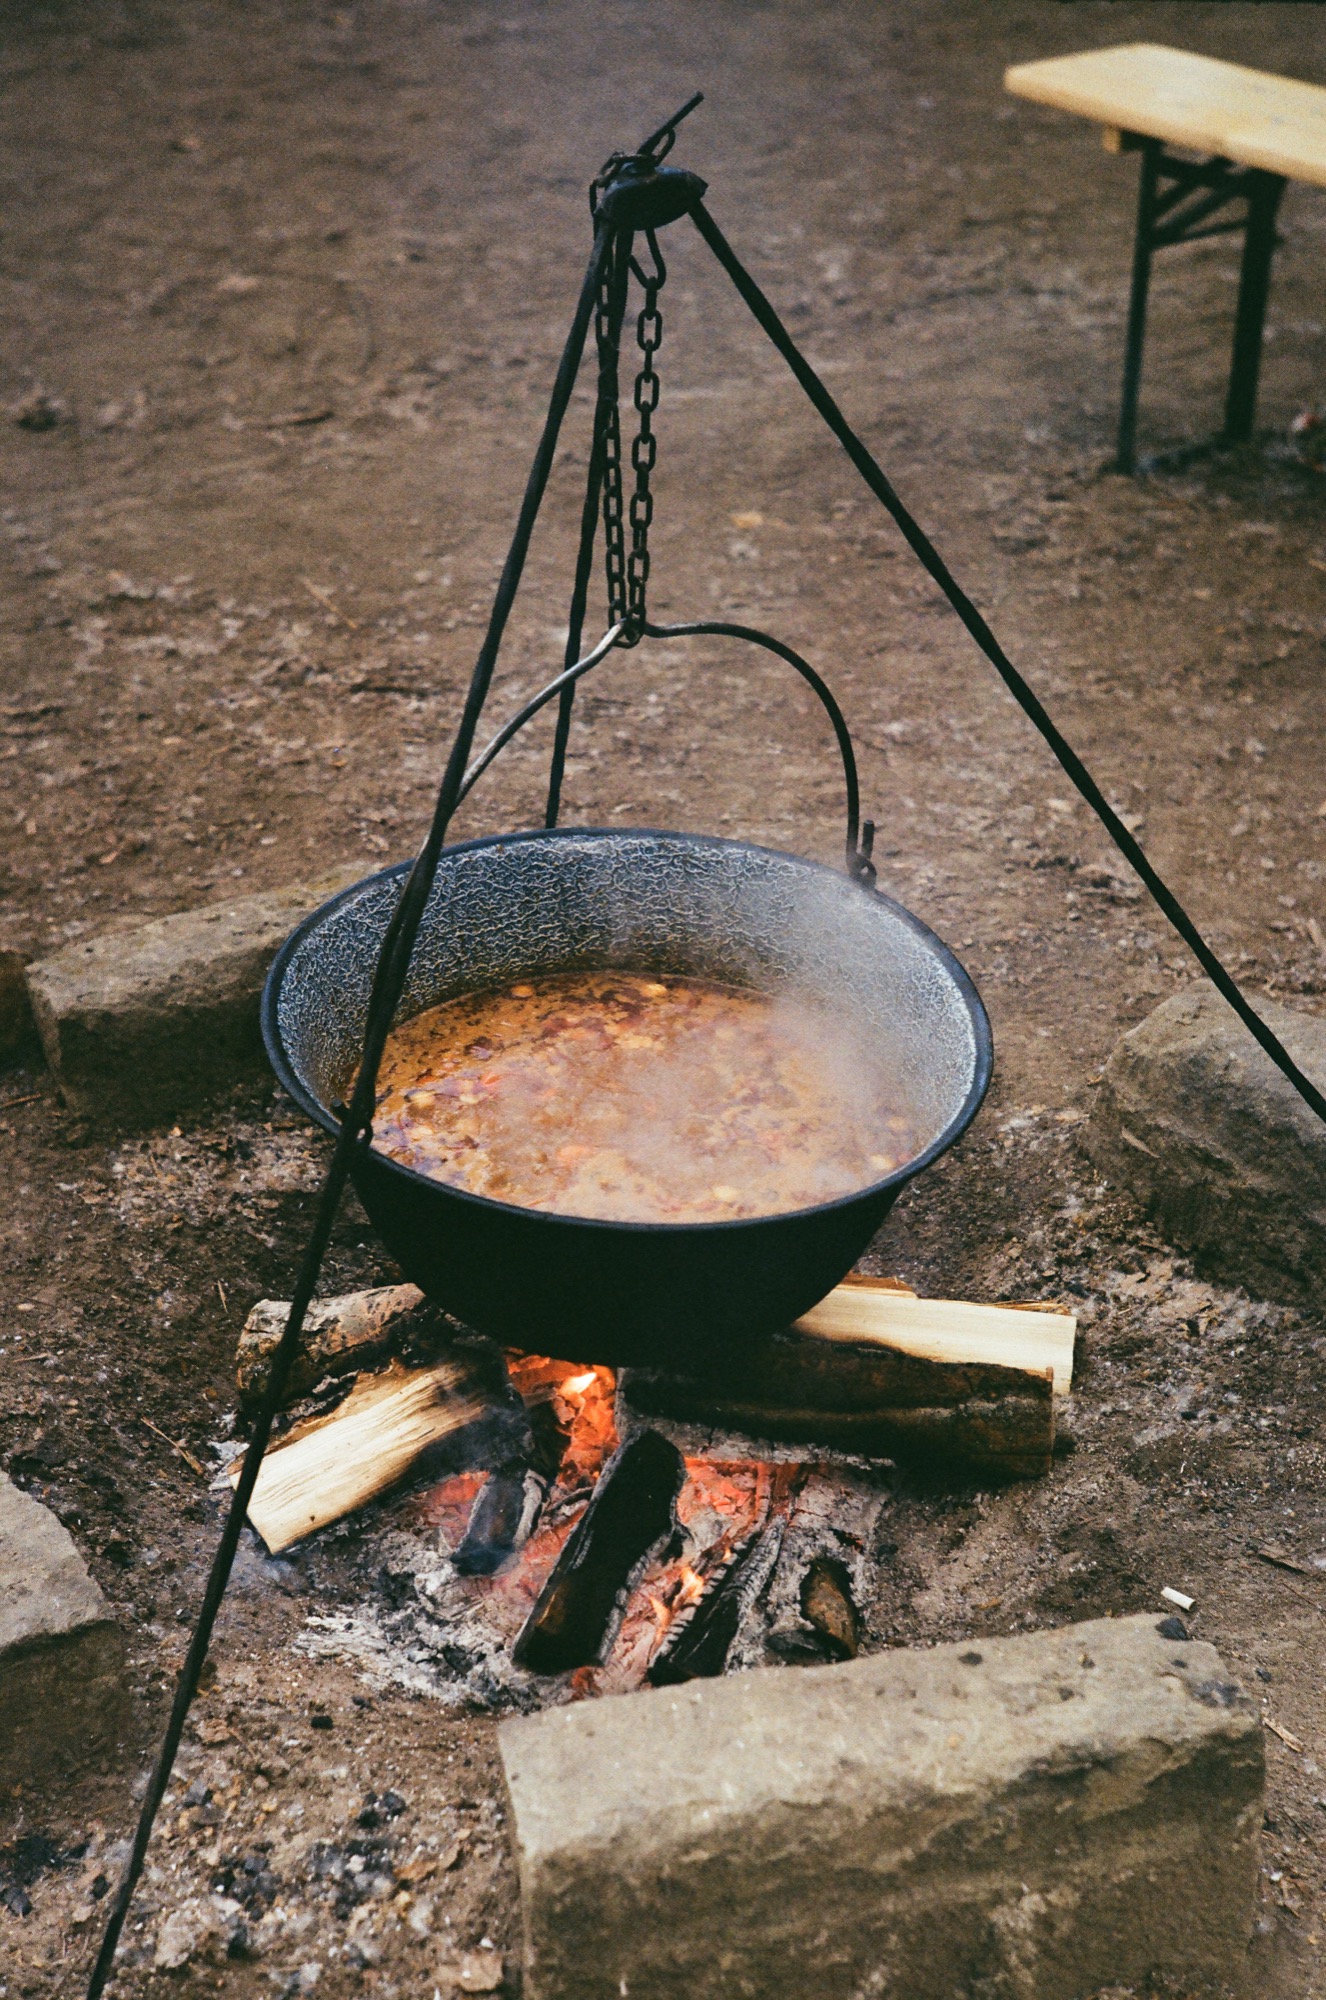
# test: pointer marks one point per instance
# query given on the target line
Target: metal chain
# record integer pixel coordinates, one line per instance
(644, 447)
(628, 574)
(614, 533)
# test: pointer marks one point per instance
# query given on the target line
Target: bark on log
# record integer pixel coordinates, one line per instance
(1009, 1436)
(340, 1335)
(838, 1378)
(631, 1510)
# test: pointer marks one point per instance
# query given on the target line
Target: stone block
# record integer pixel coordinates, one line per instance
(1200, 1126)
(62, 1685)
(144, 1023)
(1011, 1819)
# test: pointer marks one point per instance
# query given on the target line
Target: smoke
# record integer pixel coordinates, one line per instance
(646, 1100)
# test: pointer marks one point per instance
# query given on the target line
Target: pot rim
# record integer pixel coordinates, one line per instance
(313, 1107)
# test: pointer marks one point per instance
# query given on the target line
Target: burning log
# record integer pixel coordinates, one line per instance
(568, 1414)
(827, 1604)
(631, 1510)
(698, 1649)
(383, 1431)
(340, 1335)
(882, 1373)
(505, 1509)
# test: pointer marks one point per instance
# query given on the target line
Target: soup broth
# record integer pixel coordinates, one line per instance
(633, 1099)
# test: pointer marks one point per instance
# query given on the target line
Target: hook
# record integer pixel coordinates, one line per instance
(667, 132)
(660, 268)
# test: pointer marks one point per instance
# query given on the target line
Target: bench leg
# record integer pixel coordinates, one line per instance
(1250, 318)
(1126, 455)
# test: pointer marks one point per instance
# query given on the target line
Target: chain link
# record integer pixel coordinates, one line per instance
(644, 448)
(628, 573)
(614, 534)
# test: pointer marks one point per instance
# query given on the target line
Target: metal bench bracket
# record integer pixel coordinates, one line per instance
(1177, 200)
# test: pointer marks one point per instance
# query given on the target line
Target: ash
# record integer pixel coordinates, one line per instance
(413, 1621)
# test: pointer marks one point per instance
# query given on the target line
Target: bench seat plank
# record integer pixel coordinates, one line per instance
(1244, 115)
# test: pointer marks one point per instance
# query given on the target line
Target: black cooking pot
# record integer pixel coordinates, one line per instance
(528, 905)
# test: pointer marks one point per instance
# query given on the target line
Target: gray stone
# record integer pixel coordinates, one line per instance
(62, 1689)
(1200, 1126)
(1014, 1819)
(144, 1023)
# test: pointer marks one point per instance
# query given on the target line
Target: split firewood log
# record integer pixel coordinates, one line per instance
(385, 1429)
(878, 1371)
(879, 1312)
(339, 1336)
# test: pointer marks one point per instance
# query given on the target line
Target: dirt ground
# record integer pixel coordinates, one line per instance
(282, 287)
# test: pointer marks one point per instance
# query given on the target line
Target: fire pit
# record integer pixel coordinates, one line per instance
(508, 1584)
(527, 905)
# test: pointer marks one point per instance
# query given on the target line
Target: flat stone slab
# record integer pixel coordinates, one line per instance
(143, 1023)
(1020, 1819)
(61, 1657)
(1200, 1126)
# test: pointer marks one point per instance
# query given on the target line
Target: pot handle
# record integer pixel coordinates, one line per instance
(860, 838)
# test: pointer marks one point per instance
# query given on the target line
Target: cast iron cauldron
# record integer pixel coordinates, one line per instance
(526, 905)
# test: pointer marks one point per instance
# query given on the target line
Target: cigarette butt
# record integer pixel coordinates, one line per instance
(1177, 1597)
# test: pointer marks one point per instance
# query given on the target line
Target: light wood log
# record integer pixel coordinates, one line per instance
(378, 1435)
(948, 1331)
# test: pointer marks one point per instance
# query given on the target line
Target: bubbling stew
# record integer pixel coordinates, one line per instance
(631, 1099)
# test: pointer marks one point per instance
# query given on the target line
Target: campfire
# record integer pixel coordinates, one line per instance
(548, 1530)
(580, 1596)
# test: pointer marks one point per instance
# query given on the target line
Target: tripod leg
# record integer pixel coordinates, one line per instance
(589, 522)
(388, 981)
(934, 565)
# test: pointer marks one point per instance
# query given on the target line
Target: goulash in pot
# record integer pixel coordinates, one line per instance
(632, 1099)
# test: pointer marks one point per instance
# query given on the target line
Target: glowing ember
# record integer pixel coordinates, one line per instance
(722, 1503)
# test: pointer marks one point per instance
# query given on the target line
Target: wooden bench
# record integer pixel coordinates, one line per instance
(1257, 132)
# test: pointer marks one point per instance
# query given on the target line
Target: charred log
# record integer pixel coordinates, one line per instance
(505, 1509)
(630, 1511)
(827, 1604)
(698, 1650)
